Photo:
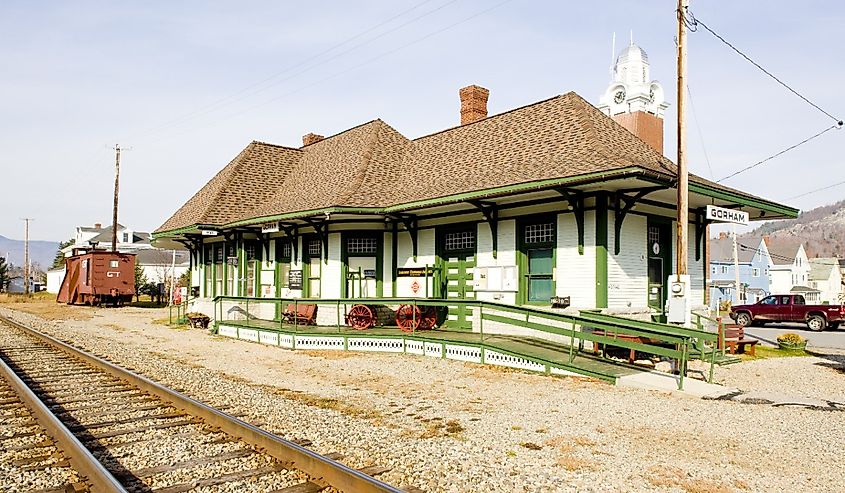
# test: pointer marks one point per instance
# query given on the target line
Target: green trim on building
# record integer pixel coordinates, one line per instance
(601, 251)
(747, 200)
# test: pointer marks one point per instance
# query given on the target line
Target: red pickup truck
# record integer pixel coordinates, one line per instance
(789, 308)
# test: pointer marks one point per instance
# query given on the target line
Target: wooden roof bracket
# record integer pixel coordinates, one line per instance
(490, 211)
(411, 225)
(621, 210)
(701, 223)
(321, 226)
(575, 198)
(292, 232)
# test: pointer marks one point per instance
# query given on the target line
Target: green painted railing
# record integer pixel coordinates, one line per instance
(671, 341)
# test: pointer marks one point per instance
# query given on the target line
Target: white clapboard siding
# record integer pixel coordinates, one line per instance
(627, 273)
(506, 256)
(425, 256)
(695, 268)
(576, 273)
(387, 264)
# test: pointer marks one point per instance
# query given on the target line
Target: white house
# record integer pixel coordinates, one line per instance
(790, 271)
(826, 277)
(156, 263)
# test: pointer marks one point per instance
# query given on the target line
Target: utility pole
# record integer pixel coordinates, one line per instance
(26, 255)
(116, 188)
(736, 267)
(683, 183)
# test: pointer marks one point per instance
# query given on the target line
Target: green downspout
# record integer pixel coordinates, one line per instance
(601, 250)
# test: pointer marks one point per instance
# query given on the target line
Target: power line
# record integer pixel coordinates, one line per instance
(353, 68)
(245, 92)
(758, 163)
(693, 23)
(817, 190)
(700, 136)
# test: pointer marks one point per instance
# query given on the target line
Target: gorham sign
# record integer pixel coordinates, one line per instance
(726, 215)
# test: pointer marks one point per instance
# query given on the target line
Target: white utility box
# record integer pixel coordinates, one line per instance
(678, 300)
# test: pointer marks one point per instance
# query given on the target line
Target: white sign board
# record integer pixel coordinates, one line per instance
(209, 232)
(270, 228)
(726, 215)
(495, 278)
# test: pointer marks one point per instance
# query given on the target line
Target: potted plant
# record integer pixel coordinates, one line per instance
(792, 342)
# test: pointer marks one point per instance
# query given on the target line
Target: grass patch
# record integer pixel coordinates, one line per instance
(44, 305)
(766, 352)
(531, 446)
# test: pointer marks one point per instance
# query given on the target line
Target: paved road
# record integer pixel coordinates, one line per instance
(830, 338)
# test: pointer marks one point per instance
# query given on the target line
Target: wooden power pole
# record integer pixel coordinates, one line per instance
(116, 188)
(26, 255)
(683, 183)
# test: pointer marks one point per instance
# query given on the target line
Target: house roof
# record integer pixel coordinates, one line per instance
(783, 250)
(374, 166)
(722, 249)
(822, 267)
(105, 236)
(155, 256)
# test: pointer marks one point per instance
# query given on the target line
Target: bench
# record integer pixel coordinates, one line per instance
(732, 337)
(598, 346)
(304, 313)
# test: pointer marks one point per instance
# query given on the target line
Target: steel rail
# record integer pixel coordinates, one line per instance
(320, 469)
(98, 477)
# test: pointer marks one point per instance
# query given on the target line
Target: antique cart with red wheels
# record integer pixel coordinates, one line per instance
(414, 317)
(362, 317)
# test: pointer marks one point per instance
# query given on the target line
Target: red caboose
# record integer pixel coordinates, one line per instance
(98, 277)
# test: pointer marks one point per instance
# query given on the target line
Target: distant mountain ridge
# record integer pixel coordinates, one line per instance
(821, 230)
(41, 252)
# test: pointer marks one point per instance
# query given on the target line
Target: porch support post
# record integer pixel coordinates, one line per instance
(394, 246)
(491, 215)
(601, 250)
(701, 224)
(575, 198)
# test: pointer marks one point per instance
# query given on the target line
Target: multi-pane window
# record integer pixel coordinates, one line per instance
(314, 248)
(653, 235)
(460, 240)
(539, 233)
(361, 245)
(284, 254)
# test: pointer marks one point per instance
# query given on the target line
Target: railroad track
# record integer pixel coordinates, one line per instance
(117, 431)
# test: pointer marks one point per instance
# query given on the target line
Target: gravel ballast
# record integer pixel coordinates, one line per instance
(447, 426)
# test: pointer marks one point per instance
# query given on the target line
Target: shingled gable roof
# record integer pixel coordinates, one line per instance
(238, 188)
(374, 166)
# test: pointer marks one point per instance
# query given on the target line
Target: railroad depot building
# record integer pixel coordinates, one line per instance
(556, 198)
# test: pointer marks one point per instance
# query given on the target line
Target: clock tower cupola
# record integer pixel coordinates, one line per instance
(633, 99)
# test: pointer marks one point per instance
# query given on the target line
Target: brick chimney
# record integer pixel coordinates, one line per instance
(473, 103)
(766, 239)
(647, 126)
(98, 226)
(722, 235)
(311, 138)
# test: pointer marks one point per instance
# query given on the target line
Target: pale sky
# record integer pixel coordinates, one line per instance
(186, 85)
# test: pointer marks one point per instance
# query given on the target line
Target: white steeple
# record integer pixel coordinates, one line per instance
(632, 88)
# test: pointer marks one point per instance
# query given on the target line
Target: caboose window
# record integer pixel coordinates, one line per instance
(114, 264)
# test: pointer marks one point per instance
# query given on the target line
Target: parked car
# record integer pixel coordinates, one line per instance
(789, 308)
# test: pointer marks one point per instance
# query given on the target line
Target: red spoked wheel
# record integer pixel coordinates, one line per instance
(428, 318)
(360, 317)
(408, 317)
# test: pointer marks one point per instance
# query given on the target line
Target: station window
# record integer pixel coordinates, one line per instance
(459, 240)
(252, 251)
(219, 266)
(539, 233)
(361, 245)
(208, 272)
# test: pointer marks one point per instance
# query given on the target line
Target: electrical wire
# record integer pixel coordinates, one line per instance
(758, 163)
(817, 190)
(247, 91)
(692, 24)
(343, 72)
(700, 135)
